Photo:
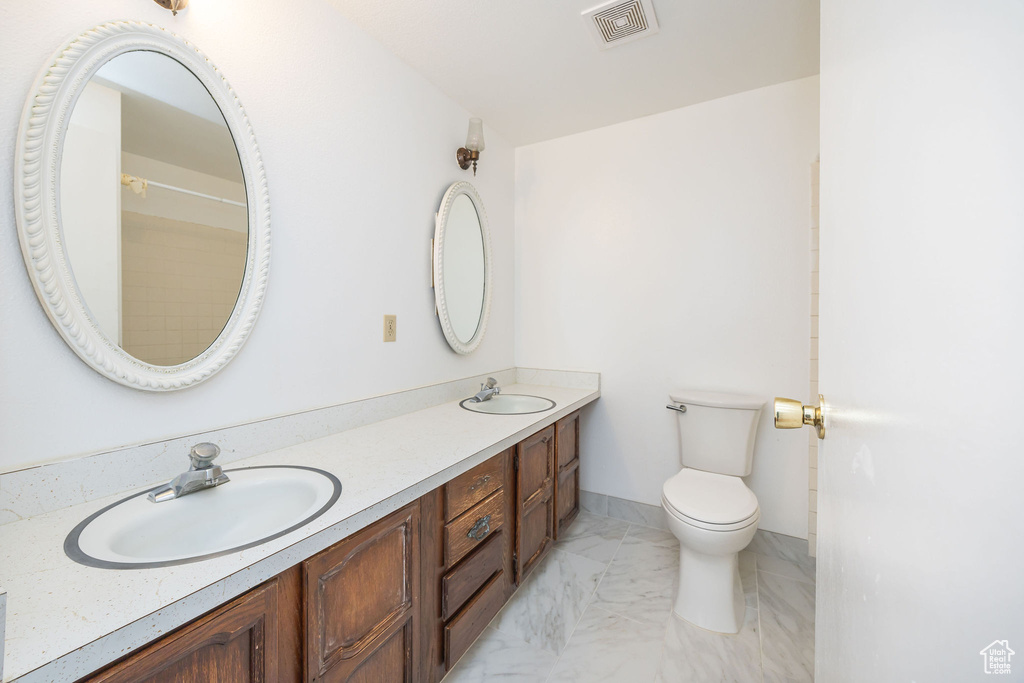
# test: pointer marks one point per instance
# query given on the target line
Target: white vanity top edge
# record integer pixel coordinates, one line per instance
(65, 620)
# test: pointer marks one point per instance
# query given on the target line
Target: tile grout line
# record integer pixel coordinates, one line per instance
(495, 617)
(788, 578)
(588, 604)
(630, 525)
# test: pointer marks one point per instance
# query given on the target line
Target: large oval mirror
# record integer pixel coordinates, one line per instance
(151, 250)
(152, 207)
(462, 267)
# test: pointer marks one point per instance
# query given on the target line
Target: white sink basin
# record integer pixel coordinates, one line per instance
(257, 504)
(509, 404)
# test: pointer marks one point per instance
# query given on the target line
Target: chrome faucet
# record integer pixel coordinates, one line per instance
(487, 390)
(203, 474)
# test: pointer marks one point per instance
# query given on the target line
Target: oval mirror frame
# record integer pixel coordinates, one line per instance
(40, 144)
(440, 299)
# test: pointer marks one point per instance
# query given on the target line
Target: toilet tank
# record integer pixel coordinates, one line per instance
(716, 433)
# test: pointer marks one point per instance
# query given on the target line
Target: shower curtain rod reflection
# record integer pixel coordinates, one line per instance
(140, 185)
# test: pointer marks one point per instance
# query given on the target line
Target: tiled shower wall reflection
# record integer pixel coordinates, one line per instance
(179, 285)
(812, 514)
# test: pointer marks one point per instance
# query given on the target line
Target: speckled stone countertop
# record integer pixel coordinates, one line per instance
(65, 620)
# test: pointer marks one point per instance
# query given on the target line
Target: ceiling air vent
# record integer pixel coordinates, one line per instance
(617, 22)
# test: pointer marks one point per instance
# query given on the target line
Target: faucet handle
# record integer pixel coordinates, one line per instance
(491, 383)
(203, 455)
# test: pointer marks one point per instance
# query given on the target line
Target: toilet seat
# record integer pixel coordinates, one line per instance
(717, 502)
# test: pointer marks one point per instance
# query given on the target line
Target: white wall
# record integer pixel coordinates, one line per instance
(358, 150)
(671, 251)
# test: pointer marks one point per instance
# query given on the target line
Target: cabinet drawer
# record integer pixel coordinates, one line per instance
(472, 527)
(460, 583)
(461, 631)
(469, 488)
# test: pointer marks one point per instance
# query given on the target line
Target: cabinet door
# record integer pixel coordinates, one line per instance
(567, 497)
(237, 642)
(567, 440)
(567, 457)
(361, 604)
(535, 485)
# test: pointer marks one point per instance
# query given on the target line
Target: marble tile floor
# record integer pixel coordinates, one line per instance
(599, 609)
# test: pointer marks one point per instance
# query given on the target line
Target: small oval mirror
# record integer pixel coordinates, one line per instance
(462, 267)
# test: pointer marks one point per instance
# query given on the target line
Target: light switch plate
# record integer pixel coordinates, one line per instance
(390, 328)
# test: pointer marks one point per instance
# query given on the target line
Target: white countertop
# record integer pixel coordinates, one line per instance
(65, 620)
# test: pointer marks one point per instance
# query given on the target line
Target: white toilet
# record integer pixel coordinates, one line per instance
(709, 508)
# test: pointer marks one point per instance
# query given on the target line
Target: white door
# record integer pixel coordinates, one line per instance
(921, 491)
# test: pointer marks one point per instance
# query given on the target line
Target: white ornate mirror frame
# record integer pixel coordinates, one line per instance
(37, 193)
(440, 299)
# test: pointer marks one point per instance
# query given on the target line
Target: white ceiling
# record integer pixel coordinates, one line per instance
(532, 71)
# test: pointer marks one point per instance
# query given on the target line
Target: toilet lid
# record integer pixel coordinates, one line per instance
(709, 497)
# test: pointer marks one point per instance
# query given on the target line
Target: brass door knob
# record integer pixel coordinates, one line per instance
(792, 414)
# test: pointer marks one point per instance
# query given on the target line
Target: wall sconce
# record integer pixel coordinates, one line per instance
(474, 145)
(173, 5)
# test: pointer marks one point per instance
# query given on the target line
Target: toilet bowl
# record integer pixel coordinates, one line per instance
(710, 594)
(709, 508)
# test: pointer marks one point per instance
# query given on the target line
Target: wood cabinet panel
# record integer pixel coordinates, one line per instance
(469, 488)
(430, 644)
(508, 541)
(536, 463)
(536, 524)
(567, 484)
(461, 631)
(473, 527)
(236, 642)
(360, 594)
(567, 439)
(291, 642)
(567, 497)
(535, 486)
(464, 580)
(386, 663)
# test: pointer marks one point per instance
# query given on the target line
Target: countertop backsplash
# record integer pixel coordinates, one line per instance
(44, 488)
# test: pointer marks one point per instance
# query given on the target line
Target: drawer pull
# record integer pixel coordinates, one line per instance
(480, 482)
(480, 529)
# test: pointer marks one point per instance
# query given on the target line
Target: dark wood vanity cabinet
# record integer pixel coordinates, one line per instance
(567, 459)
(397, 602)
(255, 638)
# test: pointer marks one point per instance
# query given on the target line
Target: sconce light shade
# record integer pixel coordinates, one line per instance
(475, 136)
(173, 5)
(470, 154)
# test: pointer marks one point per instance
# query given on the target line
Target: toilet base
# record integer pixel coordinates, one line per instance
(710, 593)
